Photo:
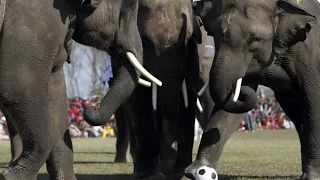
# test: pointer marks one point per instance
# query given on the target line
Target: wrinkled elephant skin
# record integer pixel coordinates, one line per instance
(33, 95)
(169, 40)
(280, 53)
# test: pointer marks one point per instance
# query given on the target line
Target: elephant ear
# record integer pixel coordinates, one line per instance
(293, 25)
(90, 5)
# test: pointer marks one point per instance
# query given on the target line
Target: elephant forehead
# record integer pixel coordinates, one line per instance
(166, 21)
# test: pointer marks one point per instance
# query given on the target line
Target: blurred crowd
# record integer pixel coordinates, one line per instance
(79, 127)
(3, 128)
(266, 115)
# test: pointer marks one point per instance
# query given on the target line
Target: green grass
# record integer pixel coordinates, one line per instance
(259, 155)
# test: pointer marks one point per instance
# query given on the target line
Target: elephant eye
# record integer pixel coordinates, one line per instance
(253, 38)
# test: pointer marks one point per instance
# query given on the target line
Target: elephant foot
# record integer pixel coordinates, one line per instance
(167, 166)
(145, 176)
(192, 168)
(15, 174)
(311, 175)
(303, 176)
(64, 177)
(175, 175)
(120, 159)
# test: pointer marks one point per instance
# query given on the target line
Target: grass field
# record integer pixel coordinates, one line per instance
(259, 155)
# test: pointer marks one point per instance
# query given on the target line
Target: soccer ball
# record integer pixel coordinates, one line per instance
(205, 173)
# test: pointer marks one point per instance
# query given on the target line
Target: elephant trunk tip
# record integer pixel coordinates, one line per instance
(93, 116)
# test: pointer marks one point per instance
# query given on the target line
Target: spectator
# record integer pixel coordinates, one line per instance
(3, 128)
(268, 114)
(74, 130)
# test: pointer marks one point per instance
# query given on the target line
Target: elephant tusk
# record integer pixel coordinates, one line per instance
(203, 89)
(208, 46)
(134, 61)
(237, 91)
(184, 93)
(144, 82)
(154, 96)
(199, 105)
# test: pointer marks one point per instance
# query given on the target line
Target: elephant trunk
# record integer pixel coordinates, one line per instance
(120, 90)
(225, 86)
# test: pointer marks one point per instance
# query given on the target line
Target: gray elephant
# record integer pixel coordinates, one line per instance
(205, 52)
(272, 43)
(34, 37)
(161, 119)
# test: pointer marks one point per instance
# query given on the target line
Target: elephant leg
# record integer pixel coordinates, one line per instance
(123, 135)
(24, 97)
(170, 100)
(292, 108)
(185, 137)
(146, 148)
(221, 126)
(299, 128)
(60, 161)
(311, 142)
(186, 122)
(15, 139)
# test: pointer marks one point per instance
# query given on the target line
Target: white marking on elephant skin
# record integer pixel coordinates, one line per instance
(232, 14)
(169, 34)
(154, 96)
(237, 91)
(174, 145)
(185, 93)
(225, 33)
(144, 82)
(165, 17)
(134, 61)
(199, 105)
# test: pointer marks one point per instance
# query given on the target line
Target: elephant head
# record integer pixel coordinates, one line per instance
(249, 35)
(111, 26)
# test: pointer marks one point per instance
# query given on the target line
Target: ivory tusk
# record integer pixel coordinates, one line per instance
(154, 96)
(199, 105)
(203, 89)
(144, 82)
(133, 60)
(237, 91)
(184, 93)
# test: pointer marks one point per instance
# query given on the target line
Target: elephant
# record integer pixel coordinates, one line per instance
(205, 52)
(34, 40)
(272, 43)
(161, 119)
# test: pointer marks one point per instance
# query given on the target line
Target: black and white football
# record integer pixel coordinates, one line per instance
(205, 173)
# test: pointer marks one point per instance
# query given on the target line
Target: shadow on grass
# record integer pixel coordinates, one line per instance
(227, 177)
(3, 165)
(94, 152)
(96, 162)
(131, 177)
(94, 177)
